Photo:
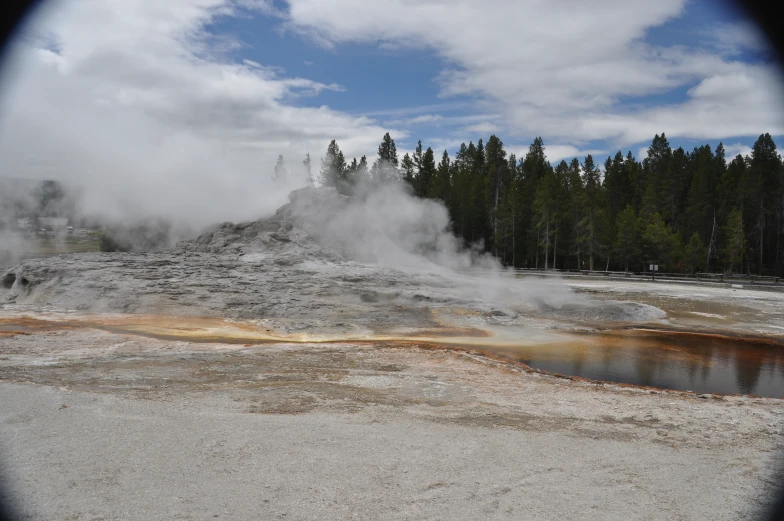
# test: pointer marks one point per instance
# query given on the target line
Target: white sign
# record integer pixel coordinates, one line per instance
(653, 267)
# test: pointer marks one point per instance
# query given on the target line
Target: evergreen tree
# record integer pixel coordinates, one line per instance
(735, 240)
(702, 193)
(535, 166)
(281, 170)
(407, 169)
(761, 187)
(590, 228)
(576, 198)
(308, 170)
(385, 166)
(420, 187)
(440, 182)
(544, 212)
(627, 242)
(661, 244)
(658, 179)
(387, 151)
(530, 214)
(617, 184)
(334, 169)
(695, 253)
(496, 182)
(427, 172)
(361, 173)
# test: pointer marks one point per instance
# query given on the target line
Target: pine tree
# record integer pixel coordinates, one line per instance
(658, 178)
(702, 192)
(507, 215)
(592, 211)
(387, 151)
(661, 244)
(695, 253)
(534, 167)
(385, 166)
(440, 182)
(576, 198)
(361, 173)
(627, 242)
(527, 212)
(617, 184)
(407, 169)
(333, 168)
(761, 187)
(427, 172)
(281, 170)
(308, 170)
(496, 181)
(479, 227)
(544, 211)
(421, 188)
(735, 240)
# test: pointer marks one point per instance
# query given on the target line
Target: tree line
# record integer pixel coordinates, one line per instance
(685, 211)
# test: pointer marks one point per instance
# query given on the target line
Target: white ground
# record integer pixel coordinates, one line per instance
(102, 426)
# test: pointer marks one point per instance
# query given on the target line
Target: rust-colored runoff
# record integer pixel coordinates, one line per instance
(723, 363)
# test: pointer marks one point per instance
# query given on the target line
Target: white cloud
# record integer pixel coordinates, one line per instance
(735, 38)
(731, 151)
(565, 77)
(133, 101)
(555, 153)
(743, 102)
(425, 118)
(484, 128)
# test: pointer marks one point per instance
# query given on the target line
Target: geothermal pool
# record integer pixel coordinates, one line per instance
(701, 363)
(730, 363)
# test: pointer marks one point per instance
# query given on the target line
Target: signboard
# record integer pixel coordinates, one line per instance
(653, 267)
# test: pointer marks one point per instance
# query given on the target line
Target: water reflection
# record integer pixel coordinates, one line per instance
(694, 362)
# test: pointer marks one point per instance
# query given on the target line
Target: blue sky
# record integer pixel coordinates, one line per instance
(186, 105)
(393, 84)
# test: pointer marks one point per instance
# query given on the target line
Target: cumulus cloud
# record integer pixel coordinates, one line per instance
(735, 38)
(731, 151)
(139, 105)
(484, 128)
(555, 153)
(741, 102)
(150, 111)
(567, 77)
(425, 118)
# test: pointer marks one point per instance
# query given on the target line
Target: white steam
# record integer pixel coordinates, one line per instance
(385, 225)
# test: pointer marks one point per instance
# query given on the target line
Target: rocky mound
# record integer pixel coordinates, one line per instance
(290, 235)
(322, 263)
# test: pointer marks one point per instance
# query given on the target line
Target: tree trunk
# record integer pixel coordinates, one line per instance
(555, 247)
(712, 244)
